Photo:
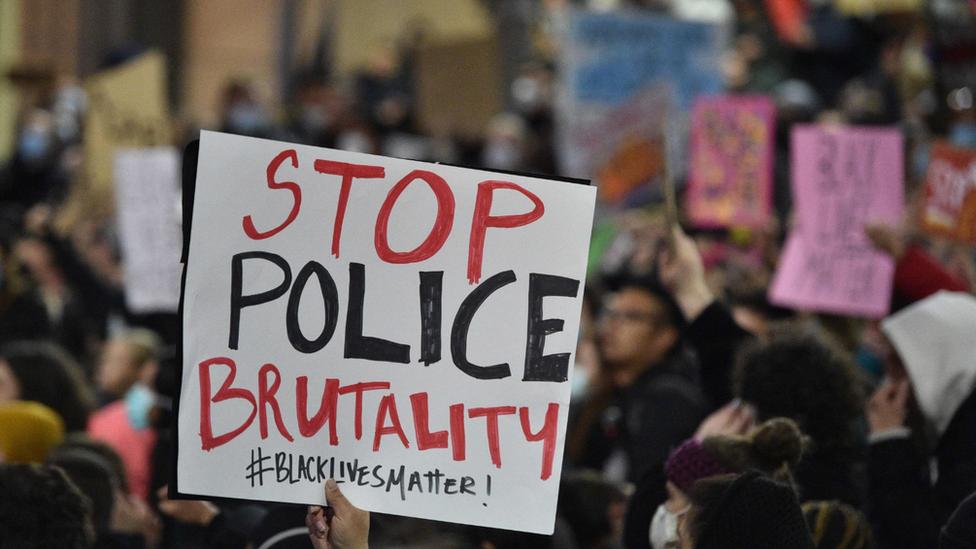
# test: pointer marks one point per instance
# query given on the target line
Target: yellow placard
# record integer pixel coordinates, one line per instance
(126, 108)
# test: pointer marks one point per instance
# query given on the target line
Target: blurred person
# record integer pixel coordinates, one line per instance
(650, 400)
(315, 118)
(28, 430)
(22, 314)
(120, 520)
(593, 508)
(836, 525)
(505, 146)
(46, 373)
(748, 510)
(798, 374)
(125, 424)
(725, 444)
(922, 420)
(712, 331)
(41, 508)
(129, 362)
(242, 113)
(34, 174)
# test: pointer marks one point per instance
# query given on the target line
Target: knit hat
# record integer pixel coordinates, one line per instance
(28, 431)
(836, 525)
(752, 512)
(690, 462)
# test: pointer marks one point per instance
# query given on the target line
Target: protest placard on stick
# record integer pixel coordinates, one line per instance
(843, 177)
(730, 174)
(406, 328)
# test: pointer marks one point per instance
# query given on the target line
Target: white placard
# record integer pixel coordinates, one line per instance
(147, 197)
(408, 332)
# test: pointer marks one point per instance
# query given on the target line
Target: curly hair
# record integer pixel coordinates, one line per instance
(41, 508)
(799, 374)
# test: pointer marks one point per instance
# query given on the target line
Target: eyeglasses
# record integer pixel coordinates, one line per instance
(627, 317)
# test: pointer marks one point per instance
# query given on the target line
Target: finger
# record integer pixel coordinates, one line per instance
(163, 493)
(900, 392)
(336, 500)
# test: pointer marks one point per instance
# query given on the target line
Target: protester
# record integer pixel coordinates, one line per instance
(748, 510)
(724, 444)
(796, 373)
(679, 322)
(932, 379)
(41, 508)
(45, 373)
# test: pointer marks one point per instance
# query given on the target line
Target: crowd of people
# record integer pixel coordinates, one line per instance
(702, 415)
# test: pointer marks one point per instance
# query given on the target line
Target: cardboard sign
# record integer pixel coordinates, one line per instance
(950, 193)
(147, 191)
(730, 174)
(126, 108)
(621, 73)
(406, 328)
(842, 178)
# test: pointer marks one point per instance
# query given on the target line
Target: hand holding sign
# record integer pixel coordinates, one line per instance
(404, 328)
(339, 526)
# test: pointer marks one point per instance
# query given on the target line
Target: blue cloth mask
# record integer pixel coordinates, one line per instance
(138, 401)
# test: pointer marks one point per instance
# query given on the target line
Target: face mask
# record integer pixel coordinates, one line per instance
(315, 119)
(246, 120)
(581, 384)
(501, 155)
(33, 146)
(138, 401)
(664, 528)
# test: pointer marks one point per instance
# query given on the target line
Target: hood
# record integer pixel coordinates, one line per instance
(936, 340)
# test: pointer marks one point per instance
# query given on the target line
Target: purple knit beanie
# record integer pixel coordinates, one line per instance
(690, 462)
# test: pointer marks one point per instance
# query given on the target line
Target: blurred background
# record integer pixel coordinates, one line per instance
(98, 98)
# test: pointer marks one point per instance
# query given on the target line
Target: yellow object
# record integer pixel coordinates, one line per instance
(862, 8)
(126, 108)
(28, 431)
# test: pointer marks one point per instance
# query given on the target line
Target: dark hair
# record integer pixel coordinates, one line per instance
(584, 498)
(40, 508)
(773, 448)
(798, 374)
(748, 510)
(671, 315)
(47, 374)
(96, 469)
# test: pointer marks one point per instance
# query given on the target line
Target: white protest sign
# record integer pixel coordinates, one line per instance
(147, 193)
(404, 327)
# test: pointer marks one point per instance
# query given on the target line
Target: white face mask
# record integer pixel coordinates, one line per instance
(664, 528)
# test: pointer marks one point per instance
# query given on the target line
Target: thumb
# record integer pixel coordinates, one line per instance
(336, 500)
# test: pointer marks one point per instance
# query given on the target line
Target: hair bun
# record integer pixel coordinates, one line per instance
(777, 441)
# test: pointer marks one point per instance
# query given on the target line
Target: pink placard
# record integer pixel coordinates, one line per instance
(842, 178)
(730, 175)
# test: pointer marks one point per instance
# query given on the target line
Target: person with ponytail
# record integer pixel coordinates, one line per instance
(772, 449)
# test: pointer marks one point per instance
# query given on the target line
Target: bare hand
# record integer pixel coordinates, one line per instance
(886, 238)
(189, 511)
(886, 410)
(735, 418)
(339, 526)
(682, 273)
(131, 515)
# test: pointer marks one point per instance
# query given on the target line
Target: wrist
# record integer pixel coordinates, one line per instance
(693, 301)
